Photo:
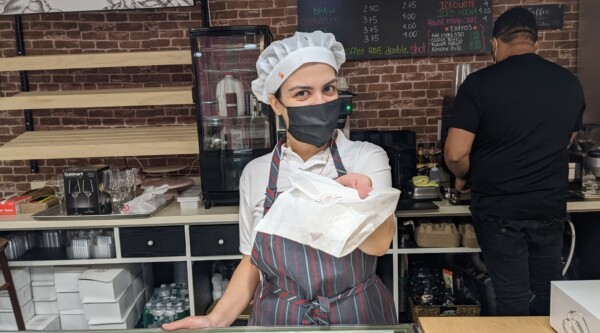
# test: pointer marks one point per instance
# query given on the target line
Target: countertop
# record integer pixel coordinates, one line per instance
(486, 324)
(172, 215)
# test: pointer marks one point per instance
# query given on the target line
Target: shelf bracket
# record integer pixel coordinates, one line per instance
(24, 80)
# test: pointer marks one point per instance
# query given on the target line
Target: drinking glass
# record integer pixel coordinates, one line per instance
(75, 190)
(58, 185)
(87, 190)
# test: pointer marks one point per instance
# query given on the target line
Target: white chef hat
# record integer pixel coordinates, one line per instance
(280, 59)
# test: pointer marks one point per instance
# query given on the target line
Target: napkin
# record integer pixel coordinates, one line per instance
(319, 212)
(147, 202)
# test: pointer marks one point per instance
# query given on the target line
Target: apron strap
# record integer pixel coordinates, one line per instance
(271, 191)
(317, 311)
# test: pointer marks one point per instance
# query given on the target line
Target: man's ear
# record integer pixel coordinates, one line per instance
(275, 105)
(536, 46)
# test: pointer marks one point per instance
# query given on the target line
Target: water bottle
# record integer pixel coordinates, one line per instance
(148, 318)
(230, 97)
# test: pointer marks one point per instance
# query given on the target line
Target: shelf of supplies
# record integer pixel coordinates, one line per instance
(421, 250)
(111, 142)
(95, 60)
(98, 98)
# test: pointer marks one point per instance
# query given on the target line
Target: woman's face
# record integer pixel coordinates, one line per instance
(310, 84)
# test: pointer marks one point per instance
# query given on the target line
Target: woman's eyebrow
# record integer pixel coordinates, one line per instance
(309, 87)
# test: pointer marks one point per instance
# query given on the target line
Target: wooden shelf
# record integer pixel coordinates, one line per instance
(35, 100)
(142, 141)
(95, 60)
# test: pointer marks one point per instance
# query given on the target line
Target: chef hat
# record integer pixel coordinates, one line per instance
(280, 59)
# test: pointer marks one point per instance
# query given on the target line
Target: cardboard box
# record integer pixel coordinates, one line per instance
(23, 295)
(575, 303)
(42, 273)
(73, 320)
(43, 291)
(66, 278)
(69, 301)
(43, 323)
(46, 307)
(133, 314)
(110, 311)
(7, 318)
(104, 283)
(20, 276)
(81, 190)
(41, 199)
(12, 205)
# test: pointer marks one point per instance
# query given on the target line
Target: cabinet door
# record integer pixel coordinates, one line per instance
(152, 242)
(221, 239)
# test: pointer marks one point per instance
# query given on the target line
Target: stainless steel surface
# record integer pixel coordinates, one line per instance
(53, 214)
(593, 162)
(399, 328)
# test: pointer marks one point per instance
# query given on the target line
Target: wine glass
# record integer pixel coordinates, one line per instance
(74, 192)
(87, 190)
(58, 185)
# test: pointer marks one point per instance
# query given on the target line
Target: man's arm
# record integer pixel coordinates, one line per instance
(456, 154)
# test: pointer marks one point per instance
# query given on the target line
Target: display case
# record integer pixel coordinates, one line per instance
(233, 126)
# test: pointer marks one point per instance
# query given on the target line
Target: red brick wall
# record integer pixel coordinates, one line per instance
(392, 93)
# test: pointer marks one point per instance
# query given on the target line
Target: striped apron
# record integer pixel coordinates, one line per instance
(304, 286)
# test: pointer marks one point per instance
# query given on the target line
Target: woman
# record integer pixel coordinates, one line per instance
(301, 285)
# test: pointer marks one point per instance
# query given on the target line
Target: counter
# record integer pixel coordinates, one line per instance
(172, 215)
(485, 324)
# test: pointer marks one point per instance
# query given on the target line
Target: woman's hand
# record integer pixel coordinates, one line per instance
(361, 183)
(193, 322)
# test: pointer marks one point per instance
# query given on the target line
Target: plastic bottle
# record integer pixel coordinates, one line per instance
(148, 318)
(230, 97)
(217, 286)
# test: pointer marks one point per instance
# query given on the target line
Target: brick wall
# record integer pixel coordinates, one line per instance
(392, 93)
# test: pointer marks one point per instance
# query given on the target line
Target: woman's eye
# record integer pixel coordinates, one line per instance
(301, 93)
(330, 89)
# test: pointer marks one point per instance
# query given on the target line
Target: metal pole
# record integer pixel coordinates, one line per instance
(24, 79)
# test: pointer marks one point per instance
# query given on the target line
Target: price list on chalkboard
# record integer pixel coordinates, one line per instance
(395, 28)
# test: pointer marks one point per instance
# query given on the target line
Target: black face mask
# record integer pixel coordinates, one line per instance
(314, 124)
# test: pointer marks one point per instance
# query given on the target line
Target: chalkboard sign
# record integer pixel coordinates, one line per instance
(394, 28)
(548, 16)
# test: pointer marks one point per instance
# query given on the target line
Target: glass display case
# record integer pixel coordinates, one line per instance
(233, 126)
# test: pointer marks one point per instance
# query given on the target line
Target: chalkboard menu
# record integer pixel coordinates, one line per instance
(548, 16)
(371, 29)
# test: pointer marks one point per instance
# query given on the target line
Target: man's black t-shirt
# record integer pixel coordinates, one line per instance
(522, 111)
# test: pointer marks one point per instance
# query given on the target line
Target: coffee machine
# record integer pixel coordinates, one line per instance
(584, 164)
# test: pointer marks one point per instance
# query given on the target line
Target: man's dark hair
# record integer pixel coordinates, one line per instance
(516, 22)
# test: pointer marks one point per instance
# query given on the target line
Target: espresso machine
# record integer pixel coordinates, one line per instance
(584, 164)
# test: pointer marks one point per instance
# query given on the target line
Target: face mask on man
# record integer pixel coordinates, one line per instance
(314, 124)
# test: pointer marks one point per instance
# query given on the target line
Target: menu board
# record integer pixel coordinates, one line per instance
(548, 16)
(371, 29)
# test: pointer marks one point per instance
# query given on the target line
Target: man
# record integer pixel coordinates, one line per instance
(510, 128)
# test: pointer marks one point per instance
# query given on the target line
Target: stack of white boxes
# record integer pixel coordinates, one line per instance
(22, 280)
(44, 299)
(70, 307)
(112, 296)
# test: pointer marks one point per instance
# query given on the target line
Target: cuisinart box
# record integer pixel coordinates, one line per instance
(82, 193)
(575, 304)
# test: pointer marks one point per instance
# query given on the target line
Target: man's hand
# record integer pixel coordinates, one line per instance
(361, 183)
(460, 185)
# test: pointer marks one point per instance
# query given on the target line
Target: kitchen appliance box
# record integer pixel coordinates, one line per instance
(12, 205)
(82, 193)
(575, 303)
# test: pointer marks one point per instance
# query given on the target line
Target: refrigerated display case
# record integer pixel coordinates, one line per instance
(233, 126)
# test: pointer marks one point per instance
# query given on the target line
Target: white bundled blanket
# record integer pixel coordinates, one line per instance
(326, 215)
(147, 202)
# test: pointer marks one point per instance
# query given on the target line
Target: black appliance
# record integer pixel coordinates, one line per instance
(401, 148)
(233, 126)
